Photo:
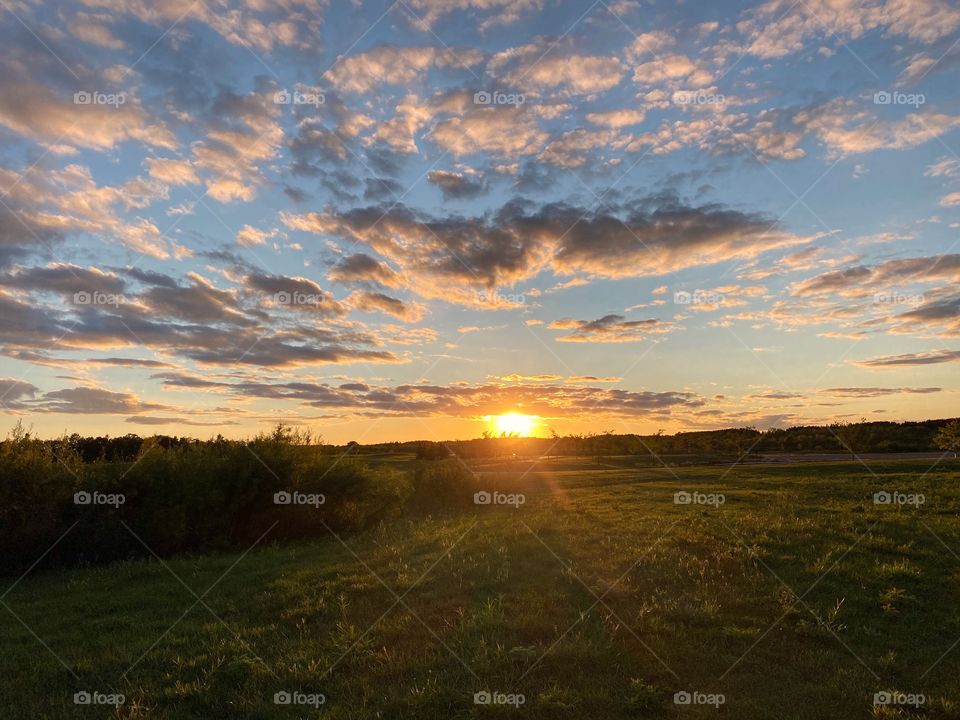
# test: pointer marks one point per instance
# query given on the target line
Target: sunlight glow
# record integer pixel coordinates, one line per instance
(513, 424)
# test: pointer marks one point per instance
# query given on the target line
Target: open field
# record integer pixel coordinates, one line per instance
(598, 597)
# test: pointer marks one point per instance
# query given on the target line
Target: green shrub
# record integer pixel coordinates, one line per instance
(189, 497)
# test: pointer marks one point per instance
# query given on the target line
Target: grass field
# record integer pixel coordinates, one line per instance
(598, 597)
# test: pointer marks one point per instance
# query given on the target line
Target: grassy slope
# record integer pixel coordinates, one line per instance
(496, 609)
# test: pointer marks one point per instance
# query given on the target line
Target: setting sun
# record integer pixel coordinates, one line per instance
(513, 424)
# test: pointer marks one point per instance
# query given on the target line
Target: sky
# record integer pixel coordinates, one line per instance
(393, 221)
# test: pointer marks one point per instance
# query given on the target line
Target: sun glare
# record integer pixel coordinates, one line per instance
(514, 424)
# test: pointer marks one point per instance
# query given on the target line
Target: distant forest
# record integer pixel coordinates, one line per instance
(862, 437)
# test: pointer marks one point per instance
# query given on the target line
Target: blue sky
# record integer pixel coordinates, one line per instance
(393, 221)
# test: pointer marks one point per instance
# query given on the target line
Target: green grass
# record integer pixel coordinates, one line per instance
(797, 598)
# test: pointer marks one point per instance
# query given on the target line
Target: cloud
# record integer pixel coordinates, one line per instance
(861, 280)
(295, 293)
(198, 322)
(12, 390)
(360, 267)
(456, 186)
(770, 135)
(93, 401)
(649, 44)
(504, 12)
(455, 258)
(250, 236)
(543, 67)
(92, 28)
(584, 379)
(64, 279)
(379, 302)
(389, 65)
(942, 314)
(175, 421)
(501, 130)
(609, 329)
(945, 166)
(55, 203)
(441, 259)
(856, 392)
(775, 395)
(577, 147)
(846, 128)
(672, 68)
(777, 28)
(254, 25)
(171, 171)
(667, 238)
(128, 362)
(39, 113)
(934, 357)
(456, 400)
(530, 378)
(617, 119)
(200, 302)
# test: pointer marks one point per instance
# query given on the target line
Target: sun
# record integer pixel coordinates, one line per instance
(514, 424)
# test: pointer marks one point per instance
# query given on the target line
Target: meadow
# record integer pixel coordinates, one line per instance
(581, 590)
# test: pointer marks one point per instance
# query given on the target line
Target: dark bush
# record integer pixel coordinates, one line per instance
(190, 497)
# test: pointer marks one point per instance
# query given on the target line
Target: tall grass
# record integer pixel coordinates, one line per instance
(197, 497)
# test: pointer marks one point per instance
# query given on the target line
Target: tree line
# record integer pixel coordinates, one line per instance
(857, 437)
